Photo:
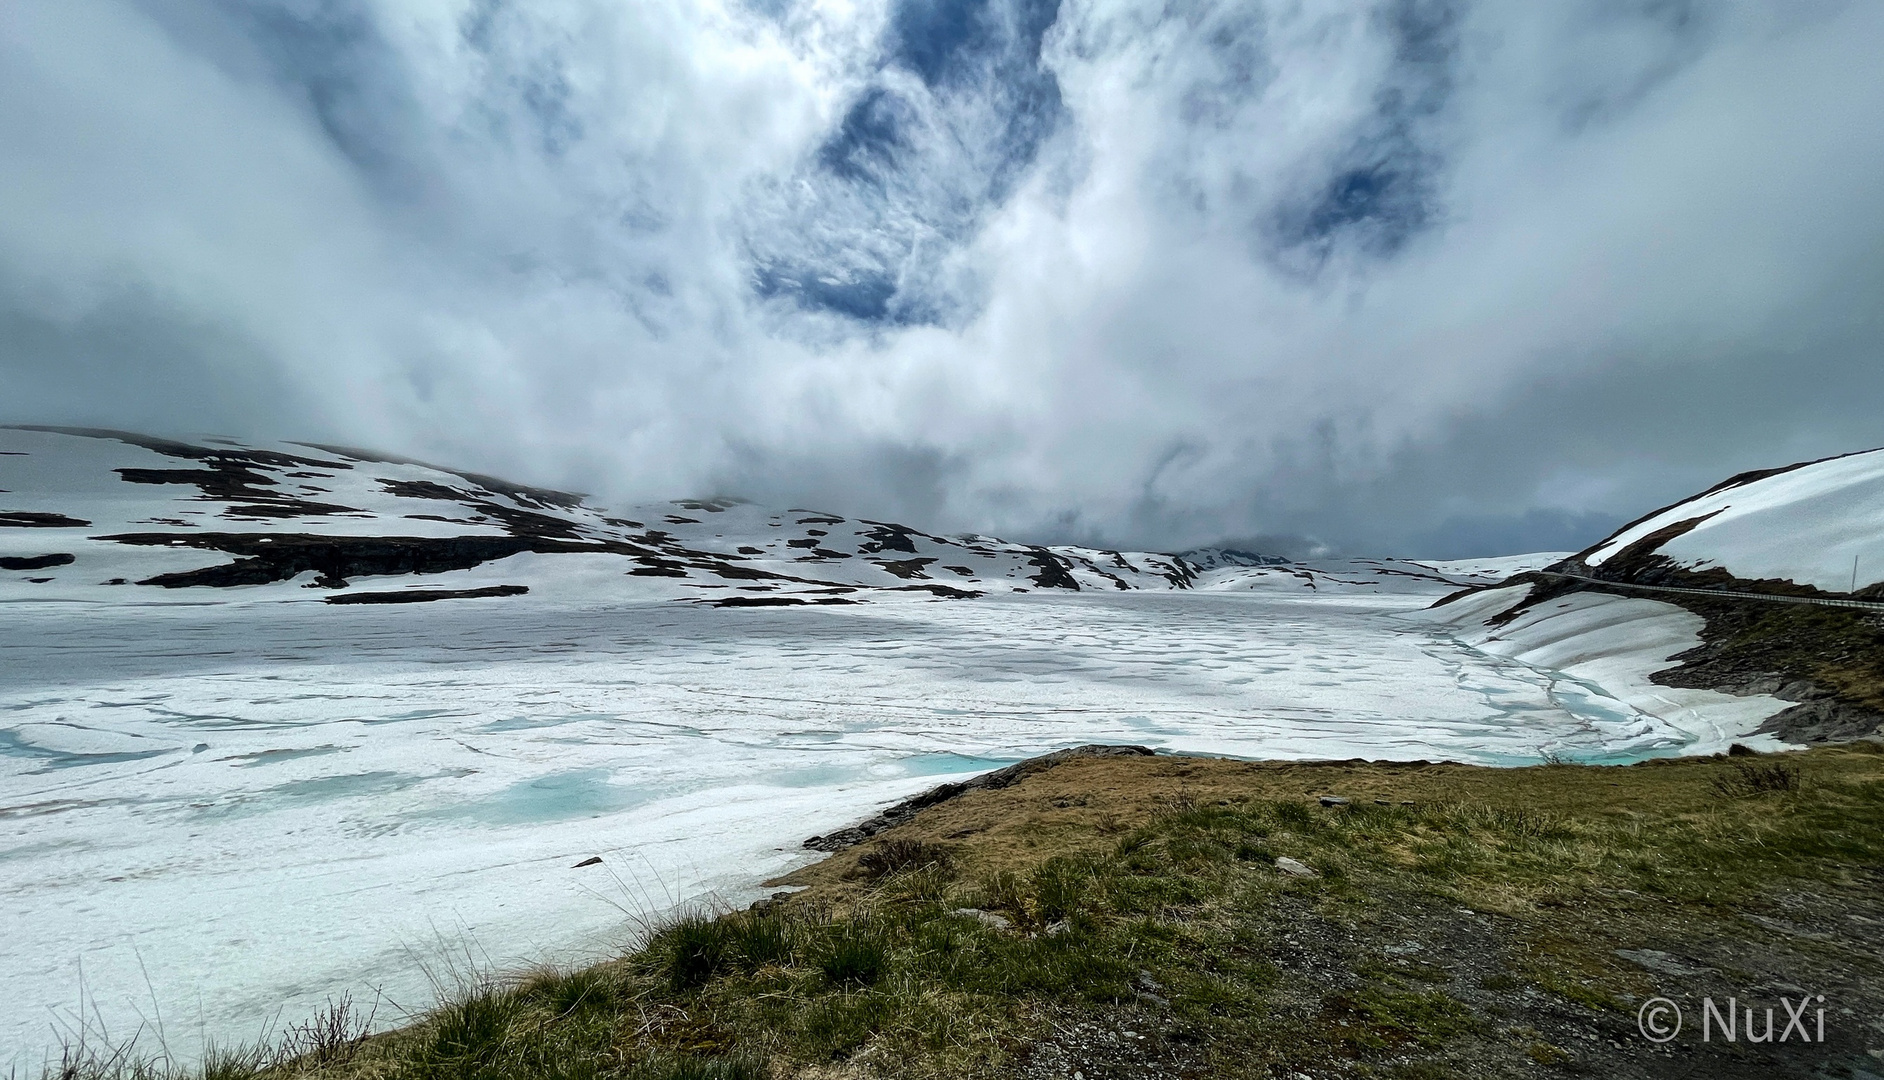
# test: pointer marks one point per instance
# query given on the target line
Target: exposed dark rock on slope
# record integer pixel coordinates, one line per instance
(420, 596)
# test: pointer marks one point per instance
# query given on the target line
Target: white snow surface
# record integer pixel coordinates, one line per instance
(221, 805)
(1607, 646)
(1499, 567)
(1807, 525)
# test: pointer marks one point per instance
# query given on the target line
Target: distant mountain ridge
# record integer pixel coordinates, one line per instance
(89, 509)
(1215, 558)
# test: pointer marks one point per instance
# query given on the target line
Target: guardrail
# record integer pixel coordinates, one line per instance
(1774, 598)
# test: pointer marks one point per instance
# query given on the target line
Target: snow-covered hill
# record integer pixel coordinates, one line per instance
(88, 514)
(1818, 524)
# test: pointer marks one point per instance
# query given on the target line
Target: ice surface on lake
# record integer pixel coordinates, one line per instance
(219, 815)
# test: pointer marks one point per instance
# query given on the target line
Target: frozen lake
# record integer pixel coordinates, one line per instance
(214, 816)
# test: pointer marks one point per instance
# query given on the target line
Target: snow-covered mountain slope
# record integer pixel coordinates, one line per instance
(1668, 646)
(93, 515)
(1819, 524)
(1365, 577)
(1498, 567)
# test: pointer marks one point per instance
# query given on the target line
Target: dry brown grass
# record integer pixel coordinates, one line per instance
(1083, 807)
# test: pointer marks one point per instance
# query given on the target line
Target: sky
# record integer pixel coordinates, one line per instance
(1420, 277)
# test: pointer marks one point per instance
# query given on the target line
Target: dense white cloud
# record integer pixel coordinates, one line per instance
(1411, 274)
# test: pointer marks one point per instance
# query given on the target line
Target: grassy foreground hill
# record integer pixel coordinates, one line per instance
(1197, 917)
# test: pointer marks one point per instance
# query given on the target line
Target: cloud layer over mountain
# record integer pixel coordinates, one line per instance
(1415, 276)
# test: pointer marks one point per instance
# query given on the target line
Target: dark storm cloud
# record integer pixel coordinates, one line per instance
(133, 357)
(1436, 277)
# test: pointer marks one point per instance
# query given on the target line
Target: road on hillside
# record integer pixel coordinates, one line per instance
(1863, 605)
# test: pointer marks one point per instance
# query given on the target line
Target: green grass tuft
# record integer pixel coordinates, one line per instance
(855, 954)
(898, 856)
